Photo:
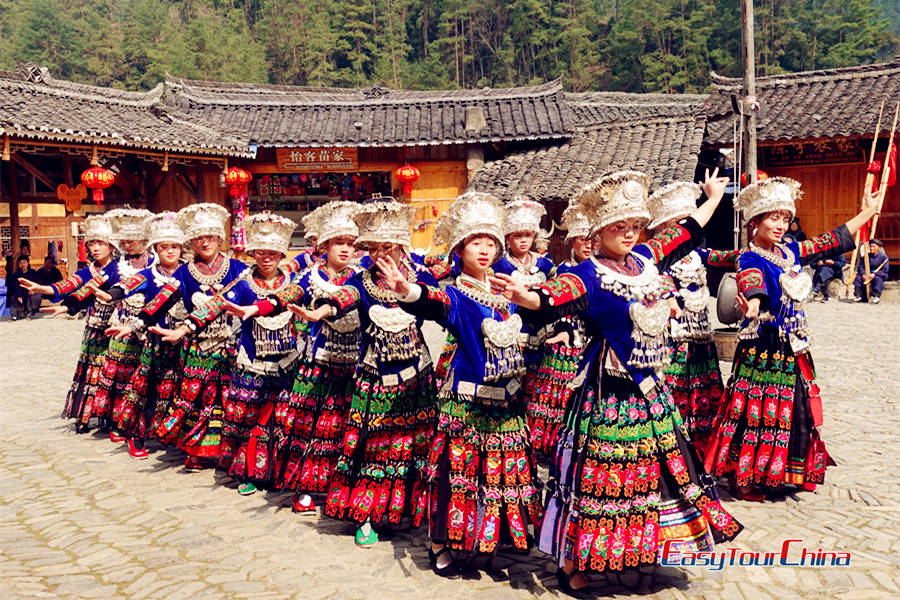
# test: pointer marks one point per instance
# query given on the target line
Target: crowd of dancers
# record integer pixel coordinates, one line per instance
(310, 374)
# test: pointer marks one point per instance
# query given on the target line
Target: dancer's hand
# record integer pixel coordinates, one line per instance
(101, 295)
(170, 335)
(750, 308)
(35, 288)
(394, 279)
(243, 312)
(310, 315)
(713, 185)
(118, 332)
(515, 291)
(560, 338)
(674, 310)
(55, 311)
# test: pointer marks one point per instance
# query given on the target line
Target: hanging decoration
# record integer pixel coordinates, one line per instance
(407, 175)
(98, 179)
(237, 179)
(760, 175)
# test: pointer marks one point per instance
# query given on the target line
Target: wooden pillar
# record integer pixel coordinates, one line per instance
(15, 239)
(749, 101)
(71, 245)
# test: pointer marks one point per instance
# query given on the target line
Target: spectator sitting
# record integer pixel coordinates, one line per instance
(826, 270)
(878, 274)
(48, 274)
(794, 232)
(21, 303)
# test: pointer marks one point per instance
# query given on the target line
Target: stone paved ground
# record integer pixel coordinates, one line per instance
(79, 518)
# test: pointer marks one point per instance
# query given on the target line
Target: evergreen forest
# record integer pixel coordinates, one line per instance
(628, 45)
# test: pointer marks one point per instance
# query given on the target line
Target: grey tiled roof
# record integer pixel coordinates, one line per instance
(35, 105)
(813, 104)
(273, 115)
(665, 148)
(595, 108)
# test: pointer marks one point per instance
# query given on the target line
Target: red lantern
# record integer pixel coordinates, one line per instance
(760, 176)
(98, 179)
(237, 179)
(407, 175)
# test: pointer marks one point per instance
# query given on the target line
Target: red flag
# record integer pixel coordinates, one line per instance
(892, 165)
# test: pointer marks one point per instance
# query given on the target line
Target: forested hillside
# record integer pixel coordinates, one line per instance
(629, 45)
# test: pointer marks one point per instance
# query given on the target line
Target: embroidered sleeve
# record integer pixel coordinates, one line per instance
(156, 309)
(825, 245)
(441, 270)
(668, 288)
(207, 313)
(751, 282)
(128, 286)
(67, 286)
(345, 299)
(560, 297)
(672, 244)
(722, 259)
(433, 304)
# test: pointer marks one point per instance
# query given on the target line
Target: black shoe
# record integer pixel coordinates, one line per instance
(565, 586)
(450, 571)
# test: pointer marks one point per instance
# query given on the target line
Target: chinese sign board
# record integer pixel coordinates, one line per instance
(839, 150)
(310, 160)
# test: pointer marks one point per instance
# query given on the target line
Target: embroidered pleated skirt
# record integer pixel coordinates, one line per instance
(625, 480)
(483, 484)
(765, 433)
(150, 393)
(696, 385)
(379, 472)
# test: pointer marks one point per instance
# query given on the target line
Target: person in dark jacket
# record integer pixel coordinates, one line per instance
(49, 273)
(22, 304)
(826, 270)
(873, 284)
(794, 232)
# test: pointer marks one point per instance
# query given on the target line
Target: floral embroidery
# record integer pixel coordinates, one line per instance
(664, 243)
(722, 258)
(564, 288)
(820, 243)
(434, 293)
(751, 279)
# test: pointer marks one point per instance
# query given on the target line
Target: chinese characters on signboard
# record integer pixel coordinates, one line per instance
(310, 160)
(813, 153)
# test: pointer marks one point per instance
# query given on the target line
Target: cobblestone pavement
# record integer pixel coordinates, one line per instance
(79, 518)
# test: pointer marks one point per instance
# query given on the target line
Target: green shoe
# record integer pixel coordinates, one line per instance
(246, 488)
(366, 541)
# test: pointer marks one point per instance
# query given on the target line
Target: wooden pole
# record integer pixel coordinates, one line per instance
(15, 240)
(882, 190)
(71, 245)
(864, 202)
(748, 113)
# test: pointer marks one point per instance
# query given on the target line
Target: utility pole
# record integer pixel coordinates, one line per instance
(749, 103)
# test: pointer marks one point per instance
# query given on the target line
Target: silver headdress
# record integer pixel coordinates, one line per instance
(335, 219)
(129, 223)
(384, 221)
(311, 224)
(774, 193)
(473, 213)
(575, 222)
(614, 197)
(202, 219)
(266, 231)
(523, 214)
(163, 227)
(672, 201)
(97, 228)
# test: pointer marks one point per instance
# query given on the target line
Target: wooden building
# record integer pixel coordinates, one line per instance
(321, 144)
(817, 127)
(52, 130)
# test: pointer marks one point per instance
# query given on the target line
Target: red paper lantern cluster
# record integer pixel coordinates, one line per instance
(98, 179)
(237, 179)
(760, 175)
(407, 175)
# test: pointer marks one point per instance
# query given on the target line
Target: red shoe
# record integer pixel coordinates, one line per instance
(135, 452)
(115, 437)
(193, 464)
(302, 504)
(809, 487)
